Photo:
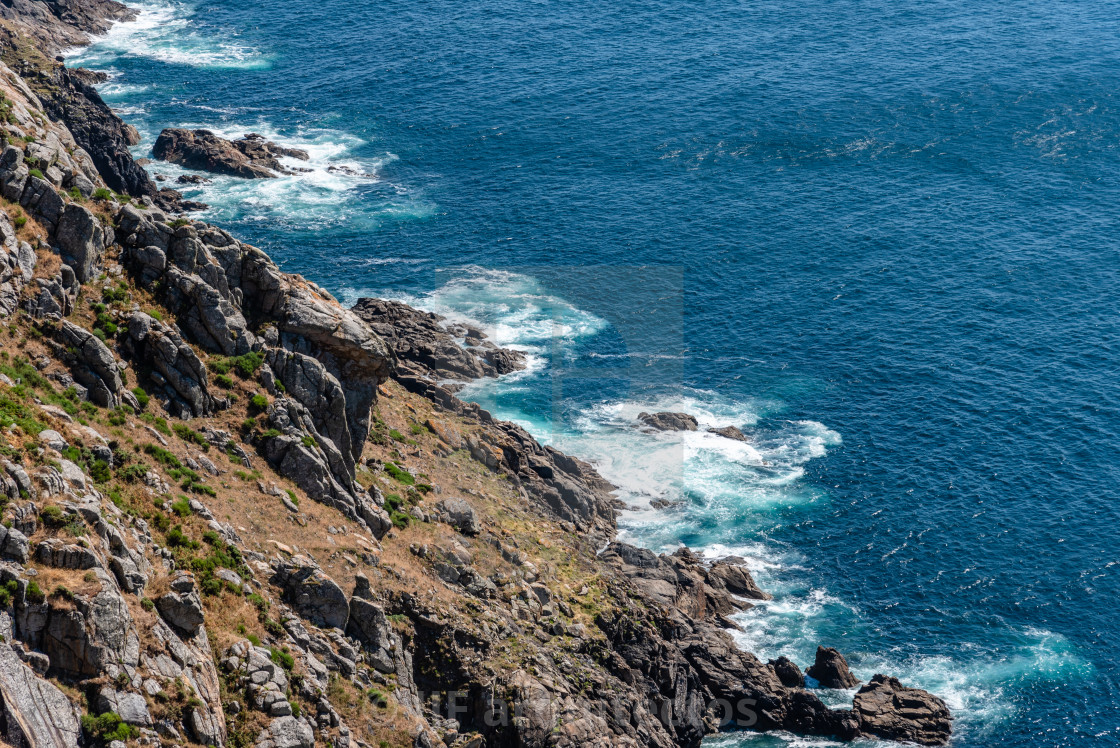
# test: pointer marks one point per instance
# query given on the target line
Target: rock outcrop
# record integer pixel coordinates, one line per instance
(34, 712)
(669, 421)
(251, 157)
(231, 299)
(830, 670)
(889, 710)
(422, 339)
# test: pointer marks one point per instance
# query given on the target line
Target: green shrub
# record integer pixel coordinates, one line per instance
(36, 173)
(271, 434)
(147, 603)
(102, 193)
(224, 380)
(418, 429)
(309, 442)
(182, 507)
(106, 727)
(53, 516)
(100, 472)
(20, 221)
(258, 403)
(163, 456)
(62, 592)
(401, 476)
(292, 496)
(34, 593)
(142, 397)
(396, 435)
(187, 434)
(282, 658)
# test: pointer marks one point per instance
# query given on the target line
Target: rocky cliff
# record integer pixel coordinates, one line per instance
(237, 513)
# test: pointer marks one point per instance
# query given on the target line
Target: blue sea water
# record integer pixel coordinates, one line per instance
(879, 237)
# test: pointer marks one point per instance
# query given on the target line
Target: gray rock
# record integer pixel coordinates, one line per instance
(36, 713)
(312, 593)
(460, 515)
(130, 707)
(52, 440)
(286, 732)
(81, 239)
(54, 552)
(182, 606)
(669, 421)
(14, 545)
(369, 625)
(730, 432)
(92, 364)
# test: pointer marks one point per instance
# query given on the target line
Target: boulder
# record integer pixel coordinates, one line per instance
(669, 421)
(730, 432)
(81, 240)
(788, 673)
(733, 576)
(182, 606)
(369, 625)
(130, 707)
(92, 364)
(312, 593)
(889, 710)
(286, 732)
(420, 339)
(830, 670)
(184, 376)
(460, 515)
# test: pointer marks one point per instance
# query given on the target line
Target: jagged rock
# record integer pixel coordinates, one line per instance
(92, 364)
(83, 640)
(182, 606)
(81, 239)
(312, 593)
(184, 375)
(420, 338)
(103, 138)
(460, 515)
(41, 200)
(252, 157)
(730, 432)
(14, 545)
(831, 670)
(369, 625)
(53, 552)
(788, 673)
(286, 732)
(35, 713)
(669, 421)
(889, 710)
(733, 576)
(130, 707)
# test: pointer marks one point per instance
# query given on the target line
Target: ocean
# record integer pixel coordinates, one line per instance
(878, 237)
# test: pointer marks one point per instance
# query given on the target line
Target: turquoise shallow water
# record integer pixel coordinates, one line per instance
(878, 237)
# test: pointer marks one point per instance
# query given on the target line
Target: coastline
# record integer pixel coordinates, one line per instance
(676, 647)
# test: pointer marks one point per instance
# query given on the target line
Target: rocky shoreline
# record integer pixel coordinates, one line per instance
(238, 513)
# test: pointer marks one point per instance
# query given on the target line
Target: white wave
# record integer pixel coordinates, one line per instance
(322, 191)
(165, 30)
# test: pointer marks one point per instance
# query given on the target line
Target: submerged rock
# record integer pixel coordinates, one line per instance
(730, 432)
(669, 421)
(251, 157)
